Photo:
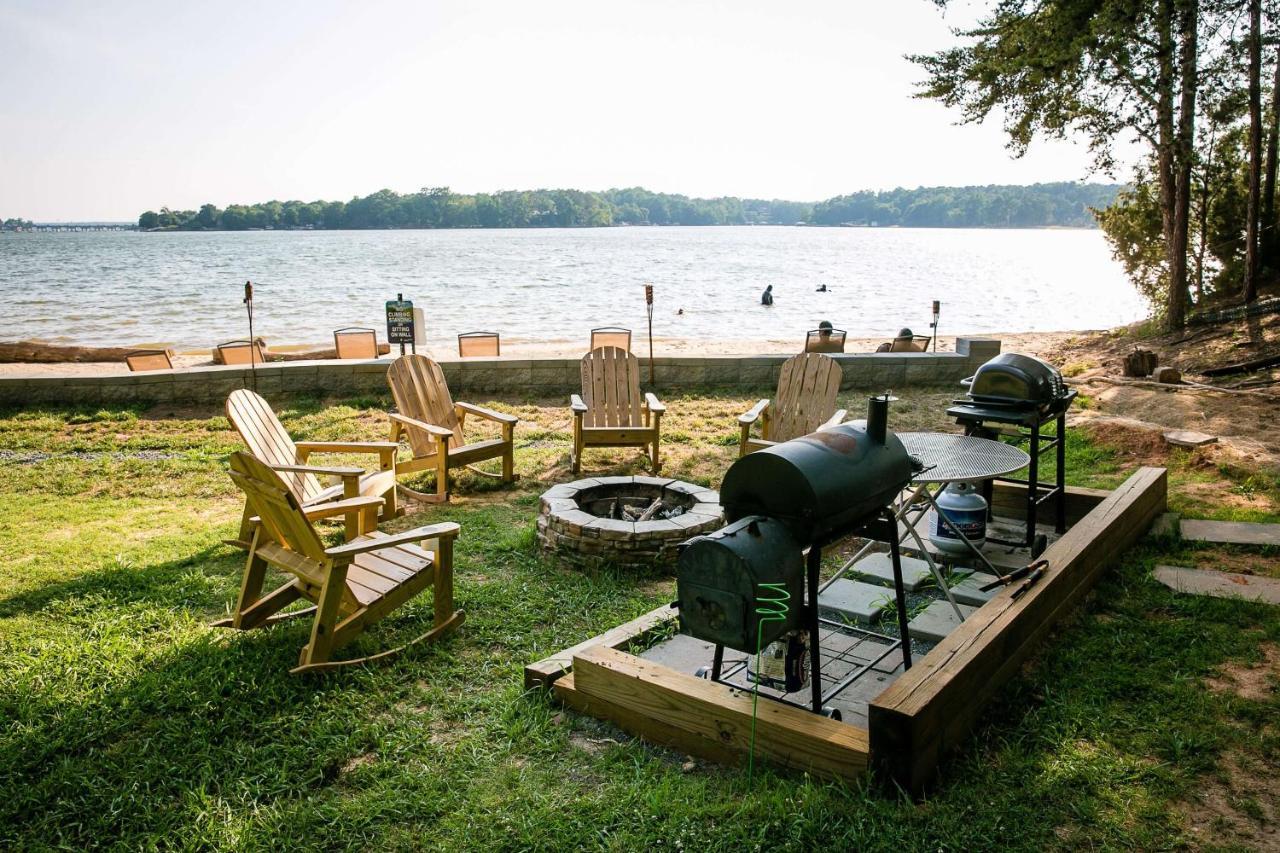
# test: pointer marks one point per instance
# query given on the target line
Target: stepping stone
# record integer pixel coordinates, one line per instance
(1166, 525)
(969, 590)
(878, 568)
(1189, 438)
(855, 600)
(1231, 532)
(1219, 584)
(937, 620)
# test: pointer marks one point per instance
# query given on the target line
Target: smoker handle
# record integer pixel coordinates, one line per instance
(967, 381)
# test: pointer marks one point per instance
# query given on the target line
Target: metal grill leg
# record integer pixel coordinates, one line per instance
(815, 643)
(1060, 520)
(717, 663)
(1033, 483)
(900, 595)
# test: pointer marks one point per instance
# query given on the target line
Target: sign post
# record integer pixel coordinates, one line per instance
(400, 323)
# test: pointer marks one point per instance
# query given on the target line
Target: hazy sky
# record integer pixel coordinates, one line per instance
(107, 109)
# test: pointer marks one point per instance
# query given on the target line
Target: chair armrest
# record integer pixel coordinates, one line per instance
(438, 431)
(487, 414)
(316, 469)
(444, 530)
(652, 404)
(343, 507)
(752, 415)
(346, 446)
(576, 404)
(834, 420)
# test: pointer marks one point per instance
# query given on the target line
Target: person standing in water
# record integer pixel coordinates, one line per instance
(766, 298)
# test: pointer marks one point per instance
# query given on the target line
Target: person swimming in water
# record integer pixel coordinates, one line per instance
(766, 298)
(822, 288)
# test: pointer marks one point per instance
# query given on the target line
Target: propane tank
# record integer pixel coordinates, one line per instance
(966, 509)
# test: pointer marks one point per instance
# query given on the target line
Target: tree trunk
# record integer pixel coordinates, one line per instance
(1175, 253)
(1255, 151)
(1268, 237)
(1188, 73)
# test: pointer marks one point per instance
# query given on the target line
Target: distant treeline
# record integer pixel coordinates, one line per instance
(1059, 204)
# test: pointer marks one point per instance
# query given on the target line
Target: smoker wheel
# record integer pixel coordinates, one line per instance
(1038, 545)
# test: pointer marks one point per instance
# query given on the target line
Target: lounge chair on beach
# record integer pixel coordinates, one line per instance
(355, 342)
(611, 336)
(241, 352)
(148, 359)
(433, 425)
(479, 345)
(825, 339)
(905, 341)
(611, 411)
(805, 403)
(269, 442)
(352, 585)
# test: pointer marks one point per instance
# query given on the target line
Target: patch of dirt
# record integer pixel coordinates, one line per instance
(355, 762)
(1132, 443)
(591, 745)
(1239, 561)
(1256, 683)
(1239, 807)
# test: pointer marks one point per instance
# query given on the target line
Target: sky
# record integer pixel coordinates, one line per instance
(110, 109)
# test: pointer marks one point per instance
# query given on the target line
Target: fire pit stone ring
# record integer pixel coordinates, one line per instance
(631, 522)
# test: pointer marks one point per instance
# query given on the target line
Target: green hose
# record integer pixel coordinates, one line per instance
(769, 610)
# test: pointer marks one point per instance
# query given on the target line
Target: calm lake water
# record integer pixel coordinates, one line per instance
(555, 284)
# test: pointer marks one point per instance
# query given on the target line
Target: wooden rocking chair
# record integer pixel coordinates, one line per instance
(806, 402)
(352, 586)
(611, 411)
(433, 423)
(268, 441)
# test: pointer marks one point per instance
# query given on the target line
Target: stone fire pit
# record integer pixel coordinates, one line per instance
(633, 522)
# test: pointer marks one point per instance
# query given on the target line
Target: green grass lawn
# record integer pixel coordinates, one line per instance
(126, 722)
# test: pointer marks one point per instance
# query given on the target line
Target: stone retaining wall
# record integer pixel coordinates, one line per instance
(521, 377)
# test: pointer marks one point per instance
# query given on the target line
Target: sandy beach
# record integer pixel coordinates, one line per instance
(1028, 342)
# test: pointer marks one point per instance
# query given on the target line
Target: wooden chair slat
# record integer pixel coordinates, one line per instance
(355, 343)
(808, 385)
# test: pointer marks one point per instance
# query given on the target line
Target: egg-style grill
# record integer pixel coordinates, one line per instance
(780, 501)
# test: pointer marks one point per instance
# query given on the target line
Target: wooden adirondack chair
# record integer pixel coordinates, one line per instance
(611, 411)
(352, 586)
(806, 402)
(433, 425)
(268, 441)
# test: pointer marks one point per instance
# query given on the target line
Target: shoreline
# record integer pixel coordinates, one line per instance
(1031, 343)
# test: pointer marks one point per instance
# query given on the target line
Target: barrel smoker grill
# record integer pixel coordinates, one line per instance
(781, 501)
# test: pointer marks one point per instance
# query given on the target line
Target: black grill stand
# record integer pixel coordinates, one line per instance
(884, 529)
(1029, 424)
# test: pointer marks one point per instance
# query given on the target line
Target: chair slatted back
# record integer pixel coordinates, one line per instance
(479, 344)
(611, 388)
(241, 352)
(354, 342)
(277, 509)
(831, 341)
(149, 359)
(611, 336)
(916, 343)
(268, 441)
(418, 387)
(806, 399)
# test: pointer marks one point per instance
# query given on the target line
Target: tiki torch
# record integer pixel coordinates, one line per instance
(937, 309)
(253, 346)
(648, 307)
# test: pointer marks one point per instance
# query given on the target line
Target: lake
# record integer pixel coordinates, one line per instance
(552, 285)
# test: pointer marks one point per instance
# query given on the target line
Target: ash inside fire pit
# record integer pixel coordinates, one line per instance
(634, 522)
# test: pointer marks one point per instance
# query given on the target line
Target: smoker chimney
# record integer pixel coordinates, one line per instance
(878, 416)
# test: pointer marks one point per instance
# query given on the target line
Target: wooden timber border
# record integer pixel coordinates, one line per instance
(916, 721)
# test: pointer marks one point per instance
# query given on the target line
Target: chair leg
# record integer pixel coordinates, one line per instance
(509, 460)
(442, 477)
(575, 455)
(322, 630)
(255, 572)
(442, 586)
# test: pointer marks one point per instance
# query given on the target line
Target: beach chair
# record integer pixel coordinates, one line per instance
(355, 342)
(915, 343)
(479, 345)
(611, 336)
(433, 425)
(611, 411)
(270, 443)
(805, 403)
(241, 352)
(824, 340)
(351, 586)
(148, 359)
